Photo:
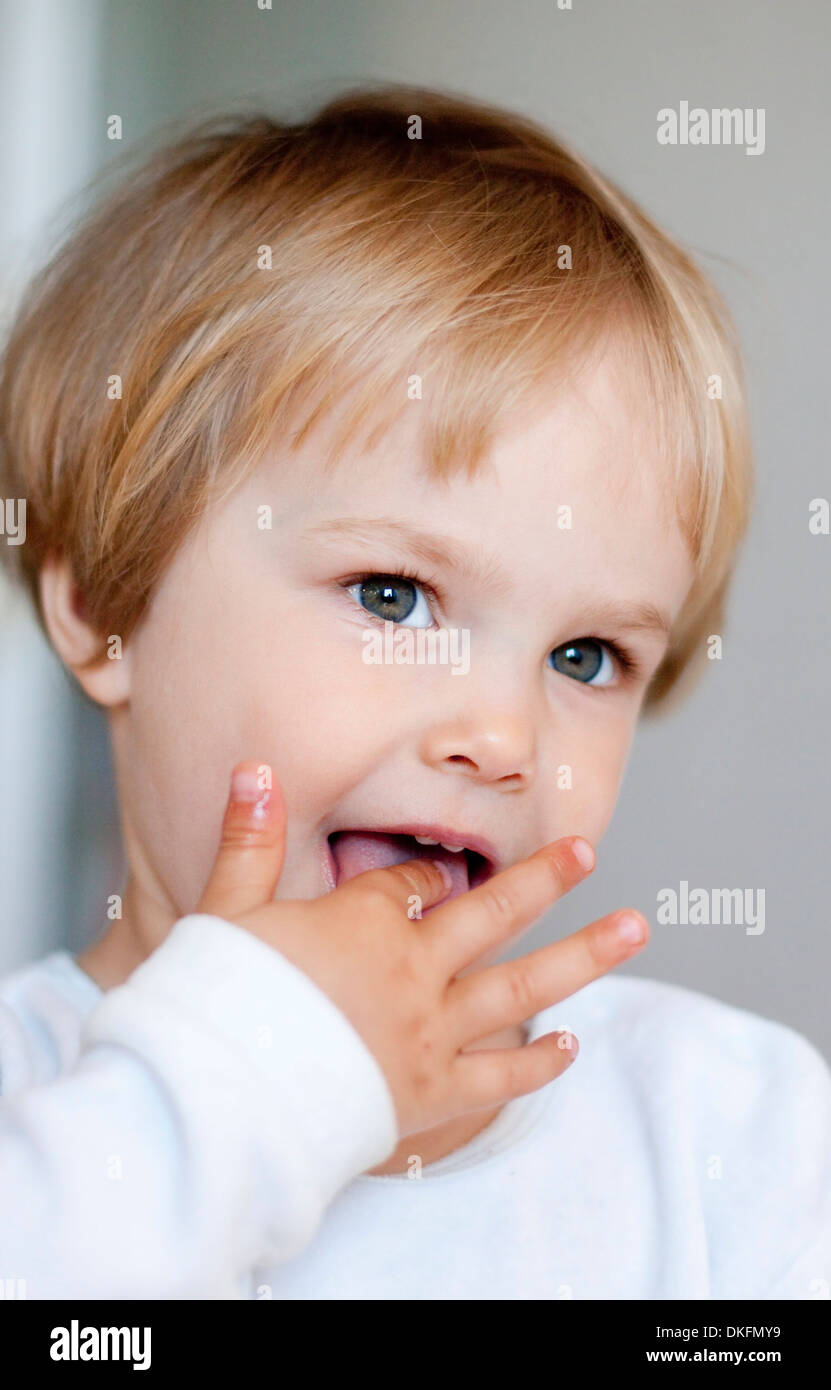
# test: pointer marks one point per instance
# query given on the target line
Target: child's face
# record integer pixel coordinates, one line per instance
(252, 646)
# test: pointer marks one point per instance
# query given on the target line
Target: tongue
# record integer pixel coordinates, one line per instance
(355, 851)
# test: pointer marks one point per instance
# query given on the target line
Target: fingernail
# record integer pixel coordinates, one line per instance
(247, 789)
(583, 853)
(245, 783)
(631, 930)
(445, 873)
(568, 1042)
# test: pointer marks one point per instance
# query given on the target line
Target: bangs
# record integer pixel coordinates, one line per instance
(526, 331)
(255, 277)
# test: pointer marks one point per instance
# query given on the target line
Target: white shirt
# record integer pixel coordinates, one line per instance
(203, 1131)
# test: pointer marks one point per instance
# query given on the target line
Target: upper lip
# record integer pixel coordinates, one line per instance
(445, 834)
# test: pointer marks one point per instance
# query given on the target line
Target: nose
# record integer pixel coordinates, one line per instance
(493, 746)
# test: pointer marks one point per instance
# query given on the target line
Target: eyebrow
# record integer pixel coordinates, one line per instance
(485, 570)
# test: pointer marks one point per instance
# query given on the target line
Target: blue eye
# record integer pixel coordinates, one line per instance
(585, 660)
(393, 599)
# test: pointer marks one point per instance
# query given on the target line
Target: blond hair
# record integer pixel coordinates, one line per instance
(249, 275)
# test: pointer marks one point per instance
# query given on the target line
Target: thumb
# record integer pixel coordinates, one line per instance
(249, 861)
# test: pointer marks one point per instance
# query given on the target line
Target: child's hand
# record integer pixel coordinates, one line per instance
(395, 978)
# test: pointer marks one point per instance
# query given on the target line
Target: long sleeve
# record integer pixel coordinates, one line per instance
(219, 1103)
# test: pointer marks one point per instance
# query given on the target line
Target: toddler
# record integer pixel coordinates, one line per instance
(293, 390)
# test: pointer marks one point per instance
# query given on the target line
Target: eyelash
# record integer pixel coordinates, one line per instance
(626, 660)
(429, 586)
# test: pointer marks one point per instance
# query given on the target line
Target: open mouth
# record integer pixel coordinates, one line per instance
(353, 852)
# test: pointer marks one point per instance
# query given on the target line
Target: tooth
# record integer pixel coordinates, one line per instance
(454, 849)
(425, 840)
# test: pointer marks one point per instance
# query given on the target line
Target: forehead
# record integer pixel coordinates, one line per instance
(592, 437)
(587, 441)
(574, 492)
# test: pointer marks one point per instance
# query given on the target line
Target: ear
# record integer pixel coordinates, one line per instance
(107, 681)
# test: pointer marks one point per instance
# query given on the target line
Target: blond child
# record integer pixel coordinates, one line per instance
(410, 365)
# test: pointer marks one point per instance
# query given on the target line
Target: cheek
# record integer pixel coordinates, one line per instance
(597, 761)
(189, 719)
(324, 716)
(275, 686)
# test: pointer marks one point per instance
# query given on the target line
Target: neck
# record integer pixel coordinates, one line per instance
(130, 939)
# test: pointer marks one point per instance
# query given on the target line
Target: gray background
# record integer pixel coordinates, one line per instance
(731, 789)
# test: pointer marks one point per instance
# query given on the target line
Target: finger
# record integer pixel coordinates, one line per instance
(249, 860)
(512, 992)
(494, 1076)
(414, 885)
(499, 909)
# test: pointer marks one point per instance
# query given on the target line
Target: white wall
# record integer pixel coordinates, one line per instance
(49, 60)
